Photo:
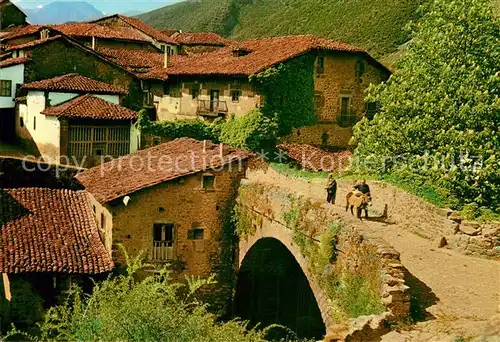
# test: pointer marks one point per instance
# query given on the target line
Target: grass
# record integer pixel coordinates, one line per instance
(289, 170)
(376, 25)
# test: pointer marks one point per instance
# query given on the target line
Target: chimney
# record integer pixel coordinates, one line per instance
(93, 43)
(166, 59)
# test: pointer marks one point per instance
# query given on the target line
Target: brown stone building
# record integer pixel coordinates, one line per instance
(169, 201)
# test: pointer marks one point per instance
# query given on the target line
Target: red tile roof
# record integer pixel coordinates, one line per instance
(201, 38)
(141, 26)
(262, 54)
(155, 165)
(99, 31)
(75, 83)
(90, 107)
(169, 32)
(138, 61)
(13, 61)
(22, 31)
(32, 43)
(49, 230)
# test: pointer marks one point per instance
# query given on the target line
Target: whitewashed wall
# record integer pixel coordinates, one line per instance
(15, 74)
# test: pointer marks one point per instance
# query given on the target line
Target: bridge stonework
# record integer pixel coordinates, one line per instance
(269, 204)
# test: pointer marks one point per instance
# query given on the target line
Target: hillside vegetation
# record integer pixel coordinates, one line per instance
(376, 25)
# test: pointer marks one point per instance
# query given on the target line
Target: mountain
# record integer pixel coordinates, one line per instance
(376, 25)
(61, 12)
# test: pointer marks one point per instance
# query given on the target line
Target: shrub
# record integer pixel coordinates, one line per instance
(253, 131)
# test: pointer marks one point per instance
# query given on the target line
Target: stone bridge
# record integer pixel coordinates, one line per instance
(272, 218)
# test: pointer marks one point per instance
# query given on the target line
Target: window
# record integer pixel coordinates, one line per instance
(318, 100)
(163, 235)
(5, 88)
(166, 88)
(371, 110)
(34, 123)
(360, 70)
(93, 208)
(169, 50)
(208, 181)
(235, 95)
(196, 234)
(162, 47)
(320, 65)
(21, 121)
(147, 98)
(103, 221)
(195, 91)
(346, 118)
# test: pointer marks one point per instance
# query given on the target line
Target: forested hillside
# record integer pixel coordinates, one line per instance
(376, 25)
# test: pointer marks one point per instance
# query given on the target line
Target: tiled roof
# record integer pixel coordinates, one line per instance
(74, 83)
(13, 61)
(155, 165)
(141, 26)
(261, 54)
(169, 32)
(22, 31)
(49, 230)
(201, 38)
(32, 43)
(99, 31)
(90, 107)
(132, 60)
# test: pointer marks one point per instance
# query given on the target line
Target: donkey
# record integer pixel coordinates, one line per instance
(360, 201)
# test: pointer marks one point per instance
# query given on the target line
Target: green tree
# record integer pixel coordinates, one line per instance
(123, 309)
(443, 104)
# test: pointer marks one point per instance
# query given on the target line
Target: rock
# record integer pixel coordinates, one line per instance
(470, 230)
(455, 217)
(440, 242)
(393, 336)
(451, 227)
(491, 231)
(472, 224)
(445, 212)
(459, 242)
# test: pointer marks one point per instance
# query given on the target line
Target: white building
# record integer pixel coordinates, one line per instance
(11, 78)
(77, 120)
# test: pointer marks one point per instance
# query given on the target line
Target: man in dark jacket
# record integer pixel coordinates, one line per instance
(331, 189)
(362, 187)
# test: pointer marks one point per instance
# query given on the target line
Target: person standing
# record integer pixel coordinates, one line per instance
(331, 189)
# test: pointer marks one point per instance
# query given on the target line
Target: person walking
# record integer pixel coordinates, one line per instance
(331, 189)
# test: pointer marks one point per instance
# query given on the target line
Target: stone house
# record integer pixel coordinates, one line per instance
(49, 239)
(218, 83)
(170, 201)
(10, 15)
(137, 27)
(77, 120)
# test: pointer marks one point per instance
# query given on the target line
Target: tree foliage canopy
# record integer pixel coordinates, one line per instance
(443, 104)
(123, 309)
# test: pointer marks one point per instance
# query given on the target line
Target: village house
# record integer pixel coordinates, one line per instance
(11, 79)
(155, 37)
(10, 15)
(169, 201)
(75, 119)
(49, 239)
(217, 84)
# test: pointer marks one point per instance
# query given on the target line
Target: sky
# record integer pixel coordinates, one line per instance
(105, 6)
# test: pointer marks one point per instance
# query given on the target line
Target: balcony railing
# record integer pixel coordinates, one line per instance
(162, 251)
(211, 108)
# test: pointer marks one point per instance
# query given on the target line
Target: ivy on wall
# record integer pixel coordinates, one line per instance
(288, 91)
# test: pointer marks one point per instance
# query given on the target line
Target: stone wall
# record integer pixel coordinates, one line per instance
(323, 134)
(429, 221)
(270, 200)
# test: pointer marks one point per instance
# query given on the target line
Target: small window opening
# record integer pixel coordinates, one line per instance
(208, 182)
(196, 234)
(235, 95)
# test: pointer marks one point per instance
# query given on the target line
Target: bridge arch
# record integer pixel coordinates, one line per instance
(271, 234)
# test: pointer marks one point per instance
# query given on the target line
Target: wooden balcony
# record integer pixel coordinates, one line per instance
(212, 108)
(162, 251)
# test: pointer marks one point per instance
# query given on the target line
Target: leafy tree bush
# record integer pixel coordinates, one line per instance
(253, 131)
(441, 110)
(123, 309)
(191, 128)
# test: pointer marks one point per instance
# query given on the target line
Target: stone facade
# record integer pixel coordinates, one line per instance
(182, 202)
(340, 83)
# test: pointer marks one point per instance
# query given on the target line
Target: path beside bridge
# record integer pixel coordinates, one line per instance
(458, 295)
